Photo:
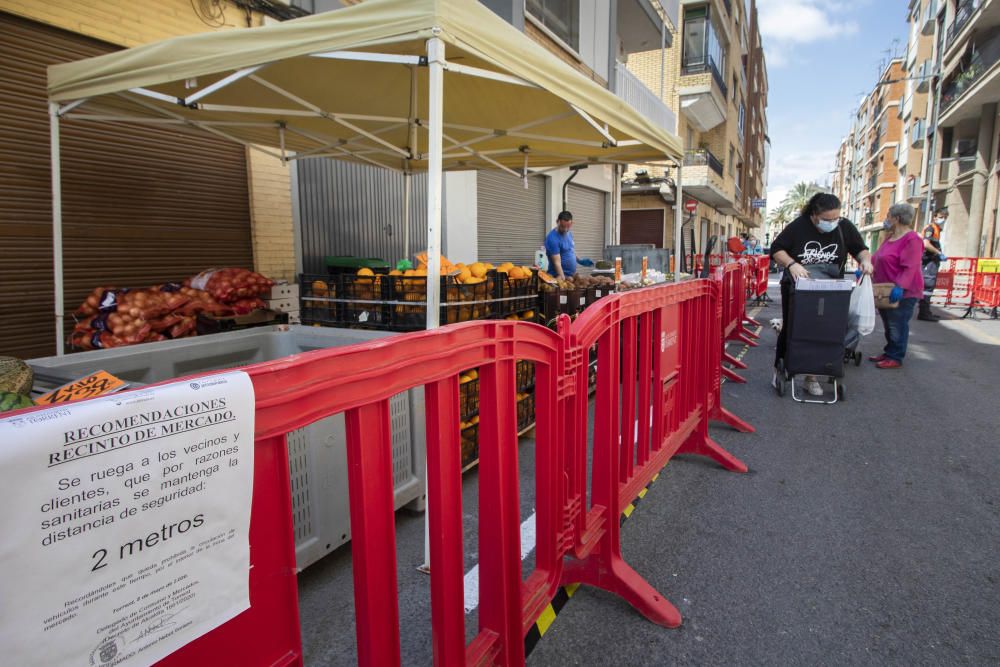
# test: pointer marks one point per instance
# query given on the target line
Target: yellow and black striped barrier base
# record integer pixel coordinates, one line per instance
(565, 593)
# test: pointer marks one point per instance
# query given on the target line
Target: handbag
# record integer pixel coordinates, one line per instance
(882, 292)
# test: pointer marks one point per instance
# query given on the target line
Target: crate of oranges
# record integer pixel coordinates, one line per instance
(346, 299)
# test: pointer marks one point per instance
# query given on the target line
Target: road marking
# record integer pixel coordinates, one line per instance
(471, 580)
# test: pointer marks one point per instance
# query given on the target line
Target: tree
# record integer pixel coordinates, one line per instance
(798, 196)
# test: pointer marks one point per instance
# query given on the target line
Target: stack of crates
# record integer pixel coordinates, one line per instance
(388, 302)
(514, 298)
(468, 394)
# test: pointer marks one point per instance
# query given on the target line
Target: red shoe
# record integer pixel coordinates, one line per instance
(888, 363)
(879, 357)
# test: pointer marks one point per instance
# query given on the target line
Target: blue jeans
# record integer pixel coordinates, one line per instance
(896, 322)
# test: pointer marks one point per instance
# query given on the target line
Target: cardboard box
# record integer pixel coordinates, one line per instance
(284, 291)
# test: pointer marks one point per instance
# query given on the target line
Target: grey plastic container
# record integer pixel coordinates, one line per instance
(317, 454)
(632, 254)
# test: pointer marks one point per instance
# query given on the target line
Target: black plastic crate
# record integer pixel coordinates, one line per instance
(459, 302)
(470, 444)
(513, 296)
(597, 292)
(345, 300)
(556, 301)
(525, 412)
(468, 396)
(525, 376)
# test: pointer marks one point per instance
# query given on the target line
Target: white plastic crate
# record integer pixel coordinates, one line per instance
(317, 455)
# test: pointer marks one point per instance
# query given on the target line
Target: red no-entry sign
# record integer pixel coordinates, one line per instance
(690, 205)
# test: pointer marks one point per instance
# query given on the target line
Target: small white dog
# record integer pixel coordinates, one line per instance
(776, 324)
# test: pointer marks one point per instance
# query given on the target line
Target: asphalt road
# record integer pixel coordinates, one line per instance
(866, 532)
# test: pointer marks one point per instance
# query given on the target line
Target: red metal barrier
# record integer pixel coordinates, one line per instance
(729, 317)
(761, 272)
(359, 381)
(955, 282)
(657, 373)
(663, 341)
(986, 293)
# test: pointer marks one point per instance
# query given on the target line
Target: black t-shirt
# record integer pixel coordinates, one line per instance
(807, 245)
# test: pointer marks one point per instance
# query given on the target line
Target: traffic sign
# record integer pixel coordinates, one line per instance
(691, 205)
(758, 203)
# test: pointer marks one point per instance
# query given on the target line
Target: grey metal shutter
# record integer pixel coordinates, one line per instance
(512, 224)
(356, 209)
(589, 209)
(141, 205)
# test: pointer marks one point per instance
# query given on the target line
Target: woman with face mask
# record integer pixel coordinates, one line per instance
(898, 261)
(815, 244)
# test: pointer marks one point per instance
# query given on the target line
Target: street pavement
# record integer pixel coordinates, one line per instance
(866, 532)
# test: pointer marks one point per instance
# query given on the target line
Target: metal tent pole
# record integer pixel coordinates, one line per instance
(406, 215)
(435, 152)
(57, 237)
(678, 219)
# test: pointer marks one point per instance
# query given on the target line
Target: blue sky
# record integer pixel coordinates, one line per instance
(822, 55)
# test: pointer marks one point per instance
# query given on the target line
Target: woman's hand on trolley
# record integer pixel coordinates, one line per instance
(797, 271)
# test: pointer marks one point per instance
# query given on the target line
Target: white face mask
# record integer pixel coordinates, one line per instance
(827, 226)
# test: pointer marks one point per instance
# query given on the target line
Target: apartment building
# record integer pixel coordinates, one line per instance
(867, 172)
(715, 75)
(917, 106)
(963, 164)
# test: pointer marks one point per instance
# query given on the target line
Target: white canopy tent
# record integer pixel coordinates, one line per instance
(366, 83)
(347, 84)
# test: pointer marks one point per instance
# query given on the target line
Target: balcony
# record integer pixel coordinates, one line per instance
(917, 133)
(912, 189)
(872, 182)
(923, 75)
(635, 93)
(639, 25)
(929, 18)
(703, 179)
(981, 66)
(703, 157)
(953, 169)
(873, 149)
(704, 104)
(868, 219)
(963, 13)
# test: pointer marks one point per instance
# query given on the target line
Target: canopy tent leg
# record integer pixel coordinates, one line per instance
(406, 215)
(57, 237)
(678, 219)
(435, 153)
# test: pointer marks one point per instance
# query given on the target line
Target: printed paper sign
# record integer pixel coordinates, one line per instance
(125, 526)
(96, 384)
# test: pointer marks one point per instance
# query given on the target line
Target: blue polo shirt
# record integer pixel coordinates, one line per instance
(562, 245)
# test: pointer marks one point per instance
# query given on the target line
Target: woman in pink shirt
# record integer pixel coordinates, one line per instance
(897, 261)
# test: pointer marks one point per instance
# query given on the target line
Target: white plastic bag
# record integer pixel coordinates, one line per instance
(862, 314)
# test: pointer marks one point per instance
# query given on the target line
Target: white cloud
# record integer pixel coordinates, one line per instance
(787, 24)
(789, 169)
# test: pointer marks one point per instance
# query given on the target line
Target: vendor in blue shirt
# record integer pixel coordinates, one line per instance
(561, 249)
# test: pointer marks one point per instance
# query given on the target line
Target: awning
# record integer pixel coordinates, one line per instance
(352, 84)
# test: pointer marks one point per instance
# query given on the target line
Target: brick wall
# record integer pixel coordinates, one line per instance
(271, 211)
(133, 22)
(538, 35)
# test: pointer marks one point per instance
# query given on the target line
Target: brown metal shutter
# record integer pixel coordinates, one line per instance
(589, 209)
(642, 226)
(511, 219)
(141, 205)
